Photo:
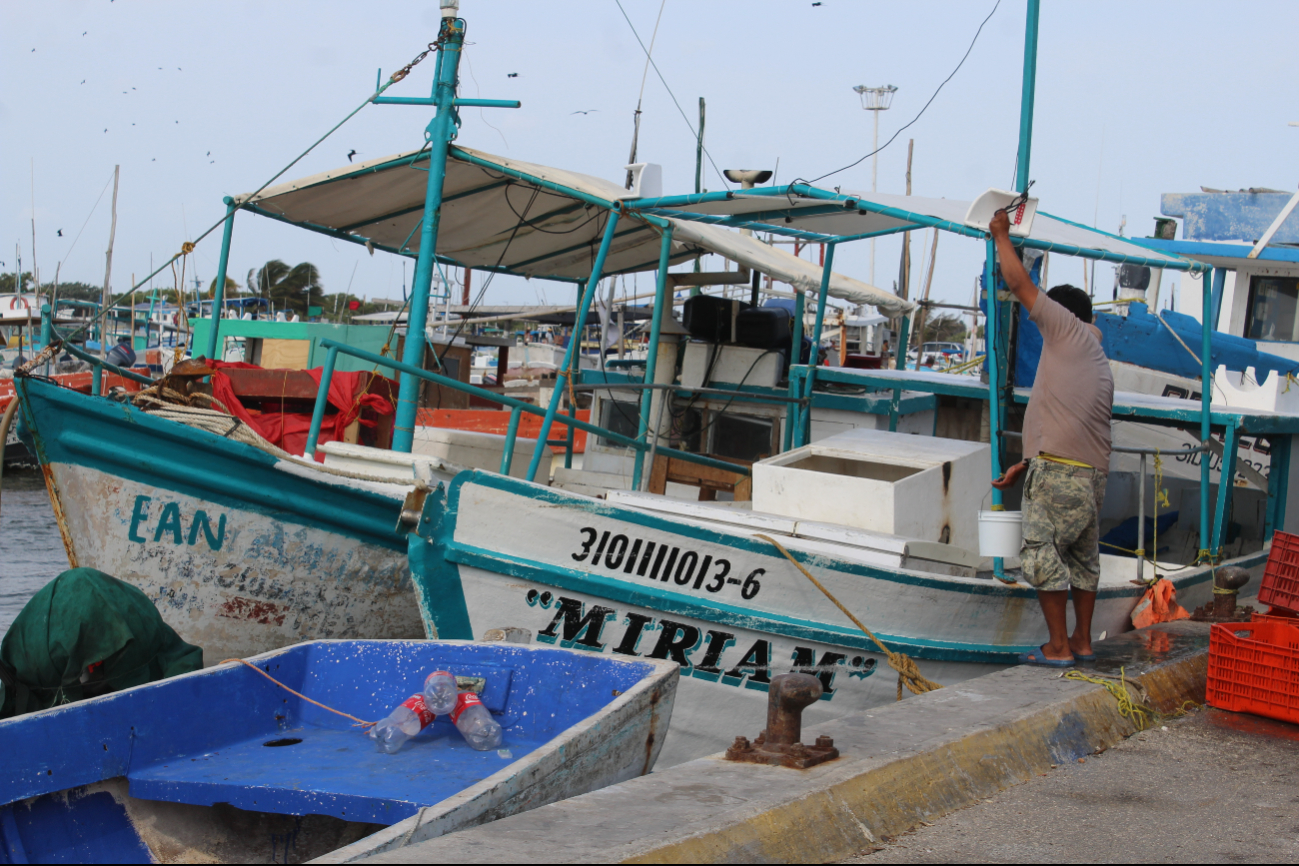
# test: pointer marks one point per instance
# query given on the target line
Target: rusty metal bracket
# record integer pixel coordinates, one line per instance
(779, 744)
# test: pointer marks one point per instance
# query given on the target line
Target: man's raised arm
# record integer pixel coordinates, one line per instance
(1012, 270)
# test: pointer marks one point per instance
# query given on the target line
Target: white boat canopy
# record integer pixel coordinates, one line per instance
(831, 216)
(516, 217)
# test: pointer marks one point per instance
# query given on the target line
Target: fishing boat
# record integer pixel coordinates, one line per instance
(871, 480)
(224, 765)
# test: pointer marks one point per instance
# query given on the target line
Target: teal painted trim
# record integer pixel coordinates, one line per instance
(1027, 95)
(124, 442)
(488, 103)
(579, 321)
(438, 588)
(1219, 288)
(101, 364)
(219, 285)
(456, 385)
(724, 614)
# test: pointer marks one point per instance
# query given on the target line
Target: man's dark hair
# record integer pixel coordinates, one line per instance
(1073, 299)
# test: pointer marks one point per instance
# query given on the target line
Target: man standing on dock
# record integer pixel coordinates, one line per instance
(1066, 455)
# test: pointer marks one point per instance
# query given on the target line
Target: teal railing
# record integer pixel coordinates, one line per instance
(516, 407)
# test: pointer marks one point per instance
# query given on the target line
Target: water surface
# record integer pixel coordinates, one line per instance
(31, 550)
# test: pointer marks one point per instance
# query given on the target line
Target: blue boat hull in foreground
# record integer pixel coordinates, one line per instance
(223, 764)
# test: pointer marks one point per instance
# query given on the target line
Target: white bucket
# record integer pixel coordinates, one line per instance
(1000, 533)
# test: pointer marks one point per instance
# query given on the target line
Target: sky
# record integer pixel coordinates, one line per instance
(196, 101)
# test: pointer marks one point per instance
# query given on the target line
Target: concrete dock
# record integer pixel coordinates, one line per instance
(903, 766)
(1212, 787)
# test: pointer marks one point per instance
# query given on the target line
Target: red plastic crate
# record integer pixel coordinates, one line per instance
(1254, 668)
(1280, 587)
(1276, 614)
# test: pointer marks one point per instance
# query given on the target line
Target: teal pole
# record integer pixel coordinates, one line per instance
(991, 321)
(511, 434)
(148, 323)
(219, 292)
(596, 272)
(814, 358)
(1206, 395)
(322, 399)
(796, 347)
(661, 300)
(1027, 96)
(439, 134)
(47, 326)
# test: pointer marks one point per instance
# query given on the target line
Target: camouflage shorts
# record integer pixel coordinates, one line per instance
(1061, 526)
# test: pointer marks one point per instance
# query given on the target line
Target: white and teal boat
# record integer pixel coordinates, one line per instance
(871, 479)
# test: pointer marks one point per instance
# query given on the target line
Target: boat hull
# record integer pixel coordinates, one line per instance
(148, 775)
(581, 573)
(241, 552)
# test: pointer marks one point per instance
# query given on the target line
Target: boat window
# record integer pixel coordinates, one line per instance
(741, 437)
(1273, 308)
(619, 416)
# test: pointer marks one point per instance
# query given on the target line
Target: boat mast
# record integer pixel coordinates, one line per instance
(108, 269)
(439, 133)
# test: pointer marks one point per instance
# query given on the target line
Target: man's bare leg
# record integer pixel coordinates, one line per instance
(1054, 608)
(1080, 642)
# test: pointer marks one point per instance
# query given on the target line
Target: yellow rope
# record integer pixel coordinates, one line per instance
(908, 673)
(1130, 707)
(360, 723)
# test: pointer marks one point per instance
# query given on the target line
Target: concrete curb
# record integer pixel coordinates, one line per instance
(902, 764)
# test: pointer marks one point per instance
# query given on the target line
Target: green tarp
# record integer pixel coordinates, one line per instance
(85, 634)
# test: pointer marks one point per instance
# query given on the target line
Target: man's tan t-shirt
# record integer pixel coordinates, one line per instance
(1073, 396)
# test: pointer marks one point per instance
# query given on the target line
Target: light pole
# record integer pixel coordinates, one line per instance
(875, 100)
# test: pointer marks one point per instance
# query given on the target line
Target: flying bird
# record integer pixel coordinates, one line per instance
(61, 230)
(155, 159)
(209, 153)
(350, 154)
(507, 75)
(83, 81)
(105, 130)
(84, 32)
(588, 111)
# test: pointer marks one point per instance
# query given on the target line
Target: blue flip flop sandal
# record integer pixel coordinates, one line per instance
(1037, 657)
(1084, 658)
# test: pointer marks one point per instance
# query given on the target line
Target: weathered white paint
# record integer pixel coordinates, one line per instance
(238, 582)
(893, 483)
(479, 450)
(712, 708)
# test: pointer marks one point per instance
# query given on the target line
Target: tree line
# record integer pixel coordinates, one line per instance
(293, 288)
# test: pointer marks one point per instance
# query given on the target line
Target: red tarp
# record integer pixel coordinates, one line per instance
(288, 430)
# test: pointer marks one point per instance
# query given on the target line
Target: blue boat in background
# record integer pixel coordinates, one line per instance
(225, 765)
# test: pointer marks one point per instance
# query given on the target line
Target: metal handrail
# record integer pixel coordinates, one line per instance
(710, 392)
(518, 407)
(98, 362)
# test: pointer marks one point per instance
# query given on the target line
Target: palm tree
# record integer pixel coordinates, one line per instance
(295, 288)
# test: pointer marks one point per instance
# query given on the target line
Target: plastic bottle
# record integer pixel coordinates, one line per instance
(473, 720)
(440, 693)
(409, 718)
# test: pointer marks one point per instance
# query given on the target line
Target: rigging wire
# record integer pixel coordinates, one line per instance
(922, 110)
(651, 62)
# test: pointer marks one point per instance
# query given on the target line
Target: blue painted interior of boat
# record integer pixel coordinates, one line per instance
(223, 735)
(80, 829)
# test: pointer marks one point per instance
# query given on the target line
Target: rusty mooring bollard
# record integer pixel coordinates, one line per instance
(787, 697)
(1227, 583)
